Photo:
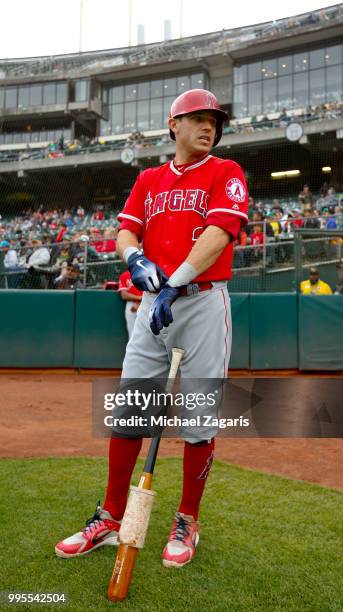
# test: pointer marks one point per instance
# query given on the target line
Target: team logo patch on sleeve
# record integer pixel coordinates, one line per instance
(235, 190)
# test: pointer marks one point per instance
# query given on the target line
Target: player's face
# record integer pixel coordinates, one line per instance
(195, 132)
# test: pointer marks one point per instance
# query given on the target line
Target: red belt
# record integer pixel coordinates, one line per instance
(195, 288)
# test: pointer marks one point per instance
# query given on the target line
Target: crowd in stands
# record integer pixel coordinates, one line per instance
(324, 211)
(332, 110)
(62, 243)
(273, 222)
(85, 145)
(81, 146)
(55, 245)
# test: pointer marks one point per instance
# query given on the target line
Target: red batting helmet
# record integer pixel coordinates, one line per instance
(198, 100)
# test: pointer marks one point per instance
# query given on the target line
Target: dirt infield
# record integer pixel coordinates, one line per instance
(44, 415)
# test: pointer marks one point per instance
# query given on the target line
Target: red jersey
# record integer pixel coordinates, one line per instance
(98, 245)
(169, 209)
(257, 238)
(109, 245)
(126, 284)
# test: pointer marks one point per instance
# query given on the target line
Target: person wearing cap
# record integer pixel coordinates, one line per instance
(97, 242)
(315, 286)
(11, 257)
(10, 263)
(69, 277)
(339, 287)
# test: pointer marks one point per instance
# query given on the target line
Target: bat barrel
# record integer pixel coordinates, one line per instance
(119, 584)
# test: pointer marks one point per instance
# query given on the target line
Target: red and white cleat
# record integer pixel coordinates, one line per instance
(100, 530)
(183, 540)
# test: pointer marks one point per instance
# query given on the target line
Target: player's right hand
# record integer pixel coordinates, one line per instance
(145, 274)
(160, 314)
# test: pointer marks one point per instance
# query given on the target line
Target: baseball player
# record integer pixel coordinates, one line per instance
(132, 296)
(187, 214)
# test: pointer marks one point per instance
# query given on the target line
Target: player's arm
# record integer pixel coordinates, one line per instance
(130, 297)
(145, 274)
(125, 240)
(208, 248)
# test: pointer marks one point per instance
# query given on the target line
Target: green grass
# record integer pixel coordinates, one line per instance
(267, 543)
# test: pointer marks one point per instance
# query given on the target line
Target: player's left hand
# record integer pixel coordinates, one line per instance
(160, 314)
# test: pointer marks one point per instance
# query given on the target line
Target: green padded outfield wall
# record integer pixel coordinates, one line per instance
(240, 312)
(273, 331)
(321, 332)
(86, 329)
(100, 329)
(37, 329)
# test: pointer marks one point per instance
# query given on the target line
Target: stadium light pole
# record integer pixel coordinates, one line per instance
(130, 21)
(80, 30)
(181, 18)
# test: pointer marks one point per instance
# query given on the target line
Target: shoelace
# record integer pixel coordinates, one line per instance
(94, 521)
(181, 528)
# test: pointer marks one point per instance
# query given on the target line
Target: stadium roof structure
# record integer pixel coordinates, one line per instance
(225, 42)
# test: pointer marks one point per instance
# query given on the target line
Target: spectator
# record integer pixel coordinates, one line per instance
(339, 287)
(256, 240)
(284, 119)
(61, 143)
(11, 257)
(99, 214)
(275, 224)
(132, 297)
(69, 277)
(63, 253)
(305, 196)
(40, 256)
(80, 212)
(315, 286)
(257, 216)
(11, 265)
(241, 243)
(331, 198)
(109, 242)
(92, 254)
(96, 241)
(297, 221)
(310, 220)
(324, 190)
(69, 221)
(257, 235)
(331, 221)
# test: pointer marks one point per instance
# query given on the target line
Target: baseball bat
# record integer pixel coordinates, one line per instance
(127, 553)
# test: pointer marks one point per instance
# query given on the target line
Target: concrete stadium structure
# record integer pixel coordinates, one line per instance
(268, 77)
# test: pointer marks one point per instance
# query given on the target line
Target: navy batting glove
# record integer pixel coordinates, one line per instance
(145, 274)
(160, 314)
